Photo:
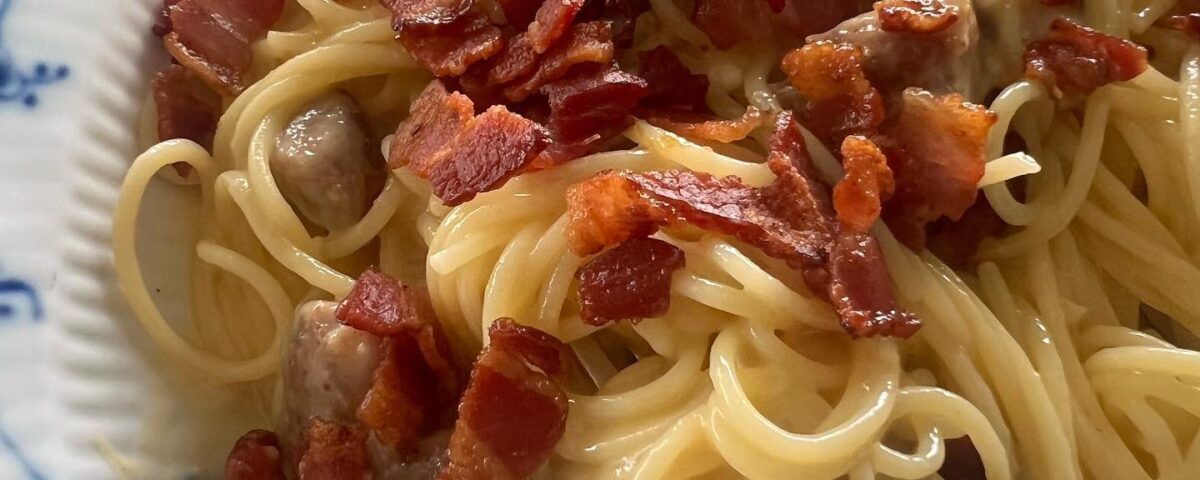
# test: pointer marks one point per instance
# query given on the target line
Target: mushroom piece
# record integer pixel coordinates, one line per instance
(323, 163)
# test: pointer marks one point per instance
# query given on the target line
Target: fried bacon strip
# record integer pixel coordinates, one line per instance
(936, 150)
(589, 42)
(415, 381)
(916, 16)
(186, 109)
(334, 452)
(858, 198)
(629, 282)
(444, 36)
(212, 38)
(461, 154)
(255, 456)
(722, 131)
(672, 86)
(588, 107)
(841, 101)
(552, 21)
(514, 410)
(790, 219)
(1076, 60)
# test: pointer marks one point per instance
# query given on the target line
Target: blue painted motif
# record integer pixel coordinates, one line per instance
(12, 292)
(18, 85)
(8, 443)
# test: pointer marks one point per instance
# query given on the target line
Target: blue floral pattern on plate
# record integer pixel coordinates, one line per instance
(17, 85)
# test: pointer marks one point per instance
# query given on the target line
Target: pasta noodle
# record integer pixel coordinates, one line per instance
(1035, 354)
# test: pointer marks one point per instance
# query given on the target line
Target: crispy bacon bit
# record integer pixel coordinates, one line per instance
(517, 60)
(861, 289)
(415, 381)
(185, 109)
(938, 163)
(462, 155)
(620, 13)
(723, 131)
(859, 196)
(212, 38)
(255, 456)
(916, 16)
(494, 147)
(841, 101)
(334, 452)
(515, 409)
(552, 22)
(584, 43)
(448, 50)
(519, 13)
(606, 210)
(425, 15)
(672, 85)
(1075, 60)
(591, 105)
(790, 219)
(730, 22)
(426, 137)
(629, 282)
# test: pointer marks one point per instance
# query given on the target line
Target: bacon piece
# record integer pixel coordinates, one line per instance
(553, 20)
(620, 13)
(515, 409)
(777, 5)
(517, 60)
(671, 84)
(868, 182)
(212, 38)
(584, 43)
(938, 159)
(255, 456)
(606, 210)
(861, 289)
(494, 147)
(334, 452)
(519, 13)
(449, 49)
(185, 109)
(591, 105)
(162, 24)
(425, 138)
(415, 380)
(629, 282)
(916, 16)
(425, 15)
(722, 131)
(956, 242)
(962, 461)
(730, 22)
(1075, 60)
(841, 101)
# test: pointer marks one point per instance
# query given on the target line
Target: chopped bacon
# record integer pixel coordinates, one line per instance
(255, 456)
(334, 452)
(591, 105)
(722, 131)
(620, 13)
(186, 109)
(672, 85)
(494, 147)
(629, 282)
(606, 210)
(425, 15)
(415, 380)
(860, 289)
(584, 43)
(517, 60)
(790, 219)
(425, 138)
(938, 158)
(464, 155)
(553, 20)
(519, 13)
(515, 409)
(448, 50)
(730, 22)
(868, 182)
(212, 38)
(162, 24)
(841, 101)
(916, 16)
(1075, 60)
